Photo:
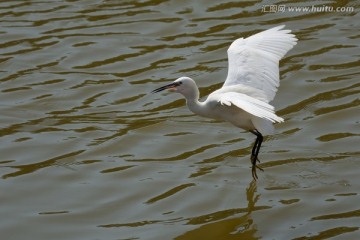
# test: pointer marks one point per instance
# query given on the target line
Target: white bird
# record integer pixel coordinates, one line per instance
(251, 83)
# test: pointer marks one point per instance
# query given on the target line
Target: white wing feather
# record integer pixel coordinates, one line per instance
(251, 105)
(254, 61)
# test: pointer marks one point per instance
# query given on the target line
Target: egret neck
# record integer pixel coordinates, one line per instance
(192, 101)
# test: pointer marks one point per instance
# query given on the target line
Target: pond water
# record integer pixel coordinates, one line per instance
(88, 153)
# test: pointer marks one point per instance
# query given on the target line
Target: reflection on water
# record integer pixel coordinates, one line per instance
(87, 152)
(228, 224)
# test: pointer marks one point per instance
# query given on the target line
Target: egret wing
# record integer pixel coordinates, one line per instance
(254, 61)
(251, 105)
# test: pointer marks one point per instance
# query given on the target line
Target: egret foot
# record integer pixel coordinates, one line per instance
(254, 167)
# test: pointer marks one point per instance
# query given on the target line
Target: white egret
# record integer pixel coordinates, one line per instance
(251, 83)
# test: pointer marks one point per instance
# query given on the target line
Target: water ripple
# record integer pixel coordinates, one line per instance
(84, 145)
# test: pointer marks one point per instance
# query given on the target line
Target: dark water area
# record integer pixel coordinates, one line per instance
(88, 153)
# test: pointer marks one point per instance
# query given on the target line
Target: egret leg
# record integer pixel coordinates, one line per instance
(255, 152)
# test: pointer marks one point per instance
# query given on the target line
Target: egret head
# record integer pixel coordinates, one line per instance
(184, 85)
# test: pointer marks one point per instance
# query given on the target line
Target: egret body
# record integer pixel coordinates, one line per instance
(251, 83)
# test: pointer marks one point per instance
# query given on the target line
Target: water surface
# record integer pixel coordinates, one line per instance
(88, 153)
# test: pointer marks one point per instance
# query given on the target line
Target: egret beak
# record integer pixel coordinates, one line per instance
(171, 86)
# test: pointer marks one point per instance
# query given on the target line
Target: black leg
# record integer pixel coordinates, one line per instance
(255, 152)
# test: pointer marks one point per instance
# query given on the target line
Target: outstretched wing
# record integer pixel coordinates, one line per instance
(251, 105)
(254, 61)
